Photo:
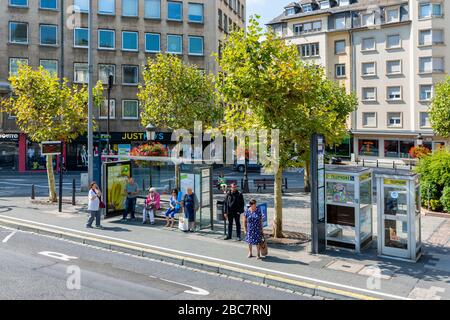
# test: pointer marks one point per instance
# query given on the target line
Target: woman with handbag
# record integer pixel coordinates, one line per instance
(190, 206)
(152, 203)
(174, 208)
(94, 205)
(253, 222)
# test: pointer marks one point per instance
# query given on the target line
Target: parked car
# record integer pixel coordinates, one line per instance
(251, 167)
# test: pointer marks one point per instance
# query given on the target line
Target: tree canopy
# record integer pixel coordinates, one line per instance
(440, 109)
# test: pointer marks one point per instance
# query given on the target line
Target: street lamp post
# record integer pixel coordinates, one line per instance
(90, 97)
(419, 139)
(110, 84)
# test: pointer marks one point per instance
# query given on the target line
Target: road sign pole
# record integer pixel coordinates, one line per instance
(90, 98)
(60, 181)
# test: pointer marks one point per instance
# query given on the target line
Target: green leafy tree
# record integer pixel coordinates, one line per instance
(47, 109)
(175, 94)
(264, 84)
(440, 109)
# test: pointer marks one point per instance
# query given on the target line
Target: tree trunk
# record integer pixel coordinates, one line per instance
(306, 177)
(177, 177)
(278, 219)
(51, 179)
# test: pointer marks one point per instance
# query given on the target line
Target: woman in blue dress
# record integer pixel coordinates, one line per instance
(253, 228)
(174, 208)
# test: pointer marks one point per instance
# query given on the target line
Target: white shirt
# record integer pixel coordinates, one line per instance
(93, 205)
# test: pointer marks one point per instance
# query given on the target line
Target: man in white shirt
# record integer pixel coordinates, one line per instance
(94, 205)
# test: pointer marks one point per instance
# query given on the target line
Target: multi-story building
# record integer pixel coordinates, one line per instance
(390, 53)
(127, 32)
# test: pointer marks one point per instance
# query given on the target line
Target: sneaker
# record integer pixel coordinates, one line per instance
(239, 239)
(88, 226)
(144, 222)
(227, 238)
(99, 227)
(123, 220)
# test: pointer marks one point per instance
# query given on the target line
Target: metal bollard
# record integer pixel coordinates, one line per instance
(33, 193)
(242, 184)
(285, 183)
(264, 183)
(143, 184)
(73, 192)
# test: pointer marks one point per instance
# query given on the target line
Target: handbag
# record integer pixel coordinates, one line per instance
(264, 248)
(102, 205)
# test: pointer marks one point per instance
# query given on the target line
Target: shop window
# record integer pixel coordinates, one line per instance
(368, 147)
(9, 154)
(405, 147)
(35, 160)
(391, 148)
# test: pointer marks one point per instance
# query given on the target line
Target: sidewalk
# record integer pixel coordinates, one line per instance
(341, 272)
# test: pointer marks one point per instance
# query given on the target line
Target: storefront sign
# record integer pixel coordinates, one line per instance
(9, 137)
(51, 147)
(340, 177)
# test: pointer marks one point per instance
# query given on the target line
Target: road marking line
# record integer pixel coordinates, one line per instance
(242, 265)
(196, 291)
(9, 236)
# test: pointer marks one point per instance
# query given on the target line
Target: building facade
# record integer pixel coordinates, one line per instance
(391, 53)
(127, 33)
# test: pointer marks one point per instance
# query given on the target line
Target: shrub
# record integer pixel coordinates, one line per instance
(445, 199)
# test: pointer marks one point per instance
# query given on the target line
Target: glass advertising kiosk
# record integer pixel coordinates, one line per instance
(399, 221)
(348, 207)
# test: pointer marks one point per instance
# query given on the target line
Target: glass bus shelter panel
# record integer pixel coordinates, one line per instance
(365, 192)
(396, 234)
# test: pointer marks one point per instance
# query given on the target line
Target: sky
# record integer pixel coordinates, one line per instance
(267, 9)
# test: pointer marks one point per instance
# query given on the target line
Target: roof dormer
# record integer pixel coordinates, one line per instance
(292, 9)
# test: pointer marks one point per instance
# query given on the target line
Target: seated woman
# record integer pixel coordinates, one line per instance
(174, 208)
(151, 204)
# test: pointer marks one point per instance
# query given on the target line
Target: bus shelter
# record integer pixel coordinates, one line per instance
(399, 219)
(348, 207)
(161, 173)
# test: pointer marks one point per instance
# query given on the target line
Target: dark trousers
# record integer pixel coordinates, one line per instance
(130, 207)
(94, 215)
(236, 217)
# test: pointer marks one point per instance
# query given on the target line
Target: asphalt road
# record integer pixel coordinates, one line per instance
(40, 267)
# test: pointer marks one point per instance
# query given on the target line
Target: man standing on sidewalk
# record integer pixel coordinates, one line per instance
(132, 191)
(233, 207)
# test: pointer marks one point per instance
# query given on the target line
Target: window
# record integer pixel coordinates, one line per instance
(50, 65)
(438, 64)
(174, 10)
(106, 39)
(174, 44)
(14, 65)
(130, 75)
(307, 8)
(368, 44)
(309, 50)
(393, 41)
(425, 37)
(48, 34)
(394, 93)
(81, 37)
(225, 23)
(152, 9)
(104, 71)
(324, 4)
(368, 69)
(219, 13)
(80, 72)
(18, 3)
(368, 147)
(394, 67)
(196, 46)
(438, 36)
(391, 148)
(307, 27)
(369, 119)
(339, 47)
(106, 6)
(394, 119)
(130, 8)
(81, 5)
(18, 32)
(427, 10)
(344, 2)
(368, 19)
(48, 4)
(392, 15)
(340, 70)
(195, 12)
(425, 92)
(425, 120)
(369, 94)
(129, 41)
(339, 23)
(104, 109)
(289, 11)
(130, 109)
(425, 64)
(152, 42)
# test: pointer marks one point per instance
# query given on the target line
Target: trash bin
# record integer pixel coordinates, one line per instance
(219, 212)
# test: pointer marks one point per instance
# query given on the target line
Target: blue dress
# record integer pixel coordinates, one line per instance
(254, 235)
